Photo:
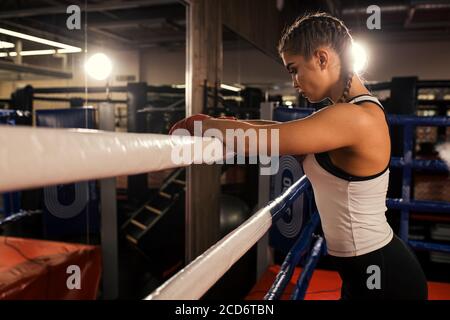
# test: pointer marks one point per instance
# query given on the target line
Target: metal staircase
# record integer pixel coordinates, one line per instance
(159, 207)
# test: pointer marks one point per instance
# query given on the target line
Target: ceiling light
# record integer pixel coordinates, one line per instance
(231, 88)
(39, 40)
(99, 66)
(6, 45)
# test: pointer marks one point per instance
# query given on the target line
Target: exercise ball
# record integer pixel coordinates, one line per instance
(233, 212)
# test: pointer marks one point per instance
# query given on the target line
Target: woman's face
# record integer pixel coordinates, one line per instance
(314, 77)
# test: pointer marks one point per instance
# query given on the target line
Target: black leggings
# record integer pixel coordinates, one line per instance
(391, 272)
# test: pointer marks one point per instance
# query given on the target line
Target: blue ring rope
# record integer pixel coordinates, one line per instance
(297, 251)
(303, 281)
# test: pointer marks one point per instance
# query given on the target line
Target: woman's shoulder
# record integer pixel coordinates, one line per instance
(346, 111)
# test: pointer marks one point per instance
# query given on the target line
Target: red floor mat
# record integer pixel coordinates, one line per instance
(37, 269)
(326, 285)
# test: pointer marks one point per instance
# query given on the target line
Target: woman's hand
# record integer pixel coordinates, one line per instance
(188, 123)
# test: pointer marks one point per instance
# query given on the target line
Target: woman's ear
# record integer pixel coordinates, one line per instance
(322, 58)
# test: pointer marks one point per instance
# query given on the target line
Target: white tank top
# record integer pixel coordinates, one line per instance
(352, 209)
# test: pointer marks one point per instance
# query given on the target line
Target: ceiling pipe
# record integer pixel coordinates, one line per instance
(26, 68)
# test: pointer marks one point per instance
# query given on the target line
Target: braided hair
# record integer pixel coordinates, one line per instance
(310, 31)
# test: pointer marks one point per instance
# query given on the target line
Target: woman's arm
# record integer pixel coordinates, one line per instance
(260, 121)
(334, 127)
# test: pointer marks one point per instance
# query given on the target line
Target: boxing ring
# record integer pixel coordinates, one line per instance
(71, 155)
(64, 156)
(199, 276)
(182, 285)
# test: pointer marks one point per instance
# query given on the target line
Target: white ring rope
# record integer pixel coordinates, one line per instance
(192, 282)
(37, 157)
(200, 275)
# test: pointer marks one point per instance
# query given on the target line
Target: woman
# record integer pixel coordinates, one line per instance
(347, 148)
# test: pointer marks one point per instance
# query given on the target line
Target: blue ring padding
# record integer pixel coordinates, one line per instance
(418, 121)
(287, 198)
(7, 116)
(7, 112)
(429, 165)
(303, 281)
(293, 257)
(423, 206)
(429, 246)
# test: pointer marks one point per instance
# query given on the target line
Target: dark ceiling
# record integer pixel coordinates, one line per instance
(117, 24)
(401, 20)
(140, 24)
